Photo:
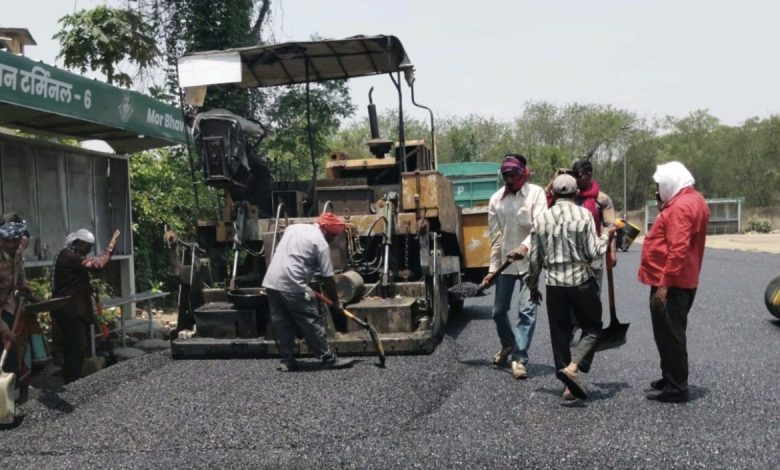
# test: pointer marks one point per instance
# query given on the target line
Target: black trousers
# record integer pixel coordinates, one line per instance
(73, 332)
(585, 303)
(669, 329)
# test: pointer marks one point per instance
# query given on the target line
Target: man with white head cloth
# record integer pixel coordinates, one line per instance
(70, 278)
(671, 260)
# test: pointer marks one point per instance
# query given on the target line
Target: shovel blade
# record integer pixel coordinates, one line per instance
(380, 350)
(465, 290)
(7, 398)
(613, 336)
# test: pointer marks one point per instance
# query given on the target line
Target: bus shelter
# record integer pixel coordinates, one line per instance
(60, 188)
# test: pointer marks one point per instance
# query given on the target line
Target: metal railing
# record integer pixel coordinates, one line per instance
(147, 297)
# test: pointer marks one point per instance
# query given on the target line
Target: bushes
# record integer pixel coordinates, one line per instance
(759, 225)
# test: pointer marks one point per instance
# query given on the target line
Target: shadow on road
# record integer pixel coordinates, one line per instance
(534, 370)
(51, 400)
(596, 391)
(606, 390)
(696, 393)
(15, 424)
(479, 312)
(316, 366)
(458, 323)
(775, 322)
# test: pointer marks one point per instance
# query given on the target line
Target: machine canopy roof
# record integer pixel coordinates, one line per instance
(296, 62)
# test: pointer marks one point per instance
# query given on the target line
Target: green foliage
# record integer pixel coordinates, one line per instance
(101, 38)
(162, 196)
(759, 225)
(289, 147)
(41, 286)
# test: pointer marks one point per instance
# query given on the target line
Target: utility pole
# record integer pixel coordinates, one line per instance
(625, 190)
(624, 130)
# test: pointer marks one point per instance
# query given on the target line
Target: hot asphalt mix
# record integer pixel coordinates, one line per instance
(451, 408)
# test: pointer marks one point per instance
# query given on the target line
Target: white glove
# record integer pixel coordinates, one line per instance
(308, 293)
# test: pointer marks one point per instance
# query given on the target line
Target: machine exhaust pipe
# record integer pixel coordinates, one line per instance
(373, 122)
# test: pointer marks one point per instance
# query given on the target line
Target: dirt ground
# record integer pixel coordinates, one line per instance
(758, 242)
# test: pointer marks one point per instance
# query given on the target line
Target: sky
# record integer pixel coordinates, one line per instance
(653, 58)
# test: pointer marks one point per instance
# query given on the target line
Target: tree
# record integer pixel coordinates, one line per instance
(290, 145)
(102, 38)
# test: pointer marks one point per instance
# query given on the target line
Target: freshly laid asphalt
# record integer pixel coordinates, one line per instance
(447, 409)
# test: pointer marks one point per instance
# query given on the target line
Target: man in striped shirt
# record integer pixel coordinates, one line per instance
(564, 243)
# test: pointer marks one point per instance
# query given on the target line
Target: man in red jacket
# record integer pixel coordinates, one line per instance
(671, 261)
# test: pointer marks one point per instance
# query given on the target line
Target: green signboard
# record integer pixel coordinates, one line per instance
(35, 85)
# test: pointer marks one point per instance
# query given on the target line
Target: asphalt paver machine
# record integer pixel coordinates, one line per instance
(401, 251)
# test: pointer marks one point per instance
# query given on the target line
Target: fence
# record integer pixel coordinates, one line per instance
(725, 215)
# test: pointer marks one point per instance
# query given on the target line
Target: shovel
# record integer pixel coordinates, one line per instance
(464, 290)
(372, 333)
(8, 379)
(615, 334)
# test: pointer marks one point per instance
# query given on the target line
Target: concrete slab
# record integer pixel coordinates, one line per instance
(123, 354)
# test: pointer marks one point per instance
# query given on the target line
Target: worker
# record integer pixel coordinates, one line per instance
(590, 196)
(511, 212)
(13, 283)
(71, 278)
(302, 252)
(564, 243)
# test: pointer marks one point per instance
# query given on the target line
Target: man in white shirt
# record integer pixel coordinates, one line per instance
(302, 252)
(511, 212)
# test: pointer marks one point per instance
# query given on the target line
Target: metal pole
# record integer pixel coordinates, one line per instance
(149, 313)
(625, 197)
(122, 326)
(401, 136)
(314, 209)
(92, 339)
(433, 130)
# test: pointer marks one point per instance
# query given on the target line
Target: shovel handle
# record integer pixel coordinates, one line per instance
(610, 282)
(494, 275)
(346, 312)
(19, 310)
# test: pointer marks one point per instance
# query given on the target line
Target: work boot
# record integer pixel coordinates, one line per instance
(332, 361)
(518, 370)
(659, 384)
(500, 358)
(669, 397)
(289, 365)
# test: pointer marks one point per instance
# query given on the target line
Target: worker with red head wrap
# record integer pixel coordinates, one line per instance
(303, 252)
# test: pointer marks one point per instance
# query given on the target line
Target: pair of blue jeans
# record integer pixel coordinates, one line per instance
(517, 336)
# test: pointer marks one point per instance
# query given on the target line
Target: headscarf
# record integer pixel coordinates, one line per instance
(589, 199)
(516, 164)
(331, 223)
(83, 235)
(512, 165)
(13, 230)
(672, 178)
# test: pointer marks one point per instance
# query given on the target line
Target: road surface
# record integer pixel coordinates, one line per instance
(448, 409)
